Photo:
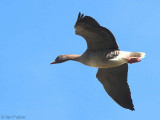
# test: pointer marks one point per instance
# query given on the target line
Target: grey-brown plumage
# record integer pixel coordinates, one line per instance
(103, 53)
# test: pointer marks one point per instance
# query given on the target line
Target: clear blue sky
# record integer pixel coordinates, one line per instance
(34, 32)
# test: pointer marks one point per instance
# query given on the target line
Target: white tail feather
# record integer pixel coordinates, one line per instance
(132, 54)
(137, 54)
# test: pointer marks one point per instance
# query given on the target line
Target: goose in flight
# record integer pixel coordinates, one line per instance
(103, 53)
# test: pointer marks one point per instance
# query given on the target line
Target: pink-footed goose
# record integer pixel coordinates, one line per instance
(103, 53)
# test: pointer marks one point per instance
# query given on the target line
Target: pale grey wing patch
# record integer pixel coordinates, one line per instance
(115, 83)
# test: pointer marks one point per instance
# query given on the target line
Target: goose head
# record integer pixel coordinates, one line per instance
(64, 58)
(60, 59)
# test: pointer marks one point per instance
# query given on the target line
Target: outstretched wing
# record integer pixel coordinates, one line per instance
(96, 36)
(114, 81)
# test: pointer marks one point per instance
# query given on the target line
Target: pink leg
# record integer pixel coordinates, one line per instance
(133, 59)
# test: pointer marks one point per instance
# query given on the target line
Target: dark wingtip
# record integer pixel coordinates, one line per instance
(129, 106)
(86, 20)
(132, 109)
(80, 16)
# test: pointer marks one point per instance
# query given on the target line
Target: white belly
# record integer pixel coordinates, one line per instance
(106, 64)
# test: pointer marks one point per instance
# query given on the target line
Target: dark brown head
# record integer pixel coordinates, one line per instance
(60, 59)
